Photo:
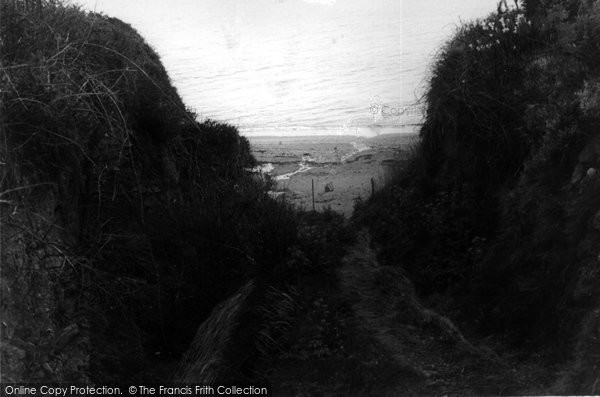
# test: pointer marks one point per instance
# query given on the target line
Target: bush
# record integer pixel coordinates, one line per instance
(144, 218)
(475, 100)
(495, 206)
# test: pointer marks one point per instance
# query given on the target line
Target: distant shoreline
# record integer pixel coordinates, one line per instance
(343, 168)
(360, 132)
(253, 137)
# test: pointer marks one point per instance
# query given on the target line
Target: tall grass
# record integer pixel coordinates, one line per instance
(495, 207)
(135, 218)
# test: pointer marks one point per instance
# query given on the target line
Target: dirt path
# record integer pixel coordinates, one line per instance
(370, 336)
(421, 341)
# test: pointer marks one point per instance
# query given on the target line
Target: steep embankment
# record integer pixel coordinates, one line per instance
(124, 220)
(495, 218)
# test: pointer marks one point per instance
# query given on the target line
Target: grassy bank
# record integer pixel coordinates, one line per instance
(124, 219)
(495, 217)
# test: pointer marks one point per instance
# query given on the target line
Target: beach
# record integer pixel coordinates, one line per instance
(343, 169)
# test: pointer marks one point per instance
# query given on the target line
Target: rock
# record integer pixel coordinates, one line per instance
(329, 187)
(591, 172)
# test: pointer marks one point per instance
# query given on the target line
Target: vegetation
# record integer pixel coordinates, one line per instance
(124, 220)
(497, 208)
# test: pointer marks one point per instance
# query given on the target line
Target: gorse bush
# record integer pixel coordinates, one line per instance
(138, 217)
(497, 205)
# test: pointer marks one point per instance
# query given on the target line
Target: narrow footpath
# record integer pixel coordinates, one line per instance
(389, 344)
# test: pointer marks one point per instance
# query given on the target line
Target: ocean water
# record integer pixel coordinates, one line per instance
(299, 67)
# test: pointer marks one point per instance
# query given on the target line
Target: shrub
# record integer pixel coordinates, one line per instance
(150, 216)
(495, 206)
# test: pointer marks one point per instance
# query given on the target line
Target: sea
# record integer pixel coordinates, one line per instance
(299, 67)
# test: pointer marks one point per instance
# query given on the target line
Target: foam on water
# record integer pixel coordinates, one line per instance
(303, 167)
(358, 147)
(265, 168)
(362, 131)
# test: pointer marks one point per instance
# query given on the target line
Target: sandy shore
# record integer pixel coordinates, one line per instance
(342, 168)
